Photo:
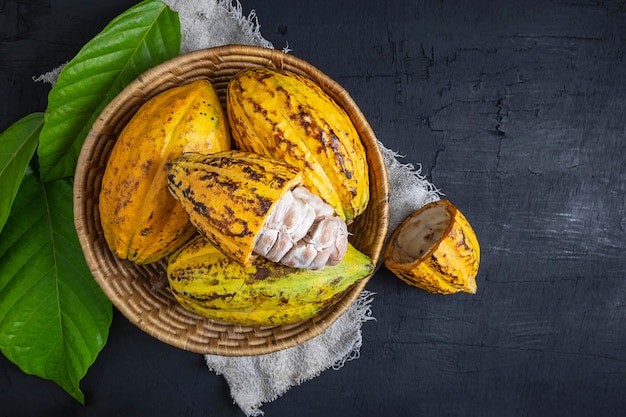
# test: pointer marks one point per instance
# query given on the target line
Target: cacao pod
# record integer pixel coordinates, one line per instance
(248, 204)
(435, 249)
(289, 117)
(211, 284)
(141, 221)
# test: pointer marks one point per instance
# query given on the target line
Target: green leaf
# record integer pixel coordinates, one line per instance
(17, 146)
(54, 318)
(138, 39)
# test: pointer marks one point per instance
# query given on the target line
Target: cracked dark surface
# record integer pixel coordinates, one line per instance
(516, 112)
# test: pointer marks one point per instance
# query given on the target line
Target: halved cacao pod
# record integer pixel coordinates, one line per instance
(435, 249)
(228, 195)
(141, 221)
(248, 204)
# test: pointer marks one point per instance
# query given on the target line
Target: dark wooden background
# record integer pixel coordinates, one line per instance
(516, 111)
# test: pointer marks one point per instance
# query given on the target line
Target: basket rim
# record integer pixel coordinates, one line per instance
(212, 57)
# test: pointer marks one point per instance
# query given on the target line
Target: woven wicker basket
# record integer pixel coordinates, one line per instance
(130, 286)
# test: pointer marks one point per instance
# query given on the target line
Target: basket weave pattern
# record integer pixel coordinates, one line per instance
(131, 287)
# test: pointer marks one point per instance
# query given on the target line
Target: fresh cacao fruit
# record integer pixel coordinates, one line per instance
(248, 204)
(140, 219)
(435, 249)
(211, 284)
(289, 117)
(324, 243)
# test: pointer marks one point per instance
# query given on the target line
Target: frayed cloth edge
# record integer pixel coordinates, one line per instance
(250, 24)
(362, 312)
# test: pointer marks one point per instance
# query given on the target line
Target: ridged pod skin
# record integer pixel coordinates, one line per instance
(228, 195)
(141, 221)
(289, 117)
(435, 249)
(211, 284)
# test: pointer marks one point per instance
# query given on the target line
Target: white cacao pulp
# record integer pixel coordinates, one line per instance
(302, 231)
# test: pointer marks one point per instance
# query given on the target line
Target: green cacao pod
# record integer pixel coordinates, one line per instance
(211, 284)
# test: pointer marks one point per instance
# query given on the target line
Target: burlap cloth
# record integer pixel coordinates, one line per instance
(255, 380)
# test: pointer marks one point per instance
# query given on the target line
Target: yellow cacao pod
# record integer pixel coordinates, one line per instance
(229, 195)
(141, 221)
(248, 204)
(435, 249)
(211, 284)
(289, 117)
